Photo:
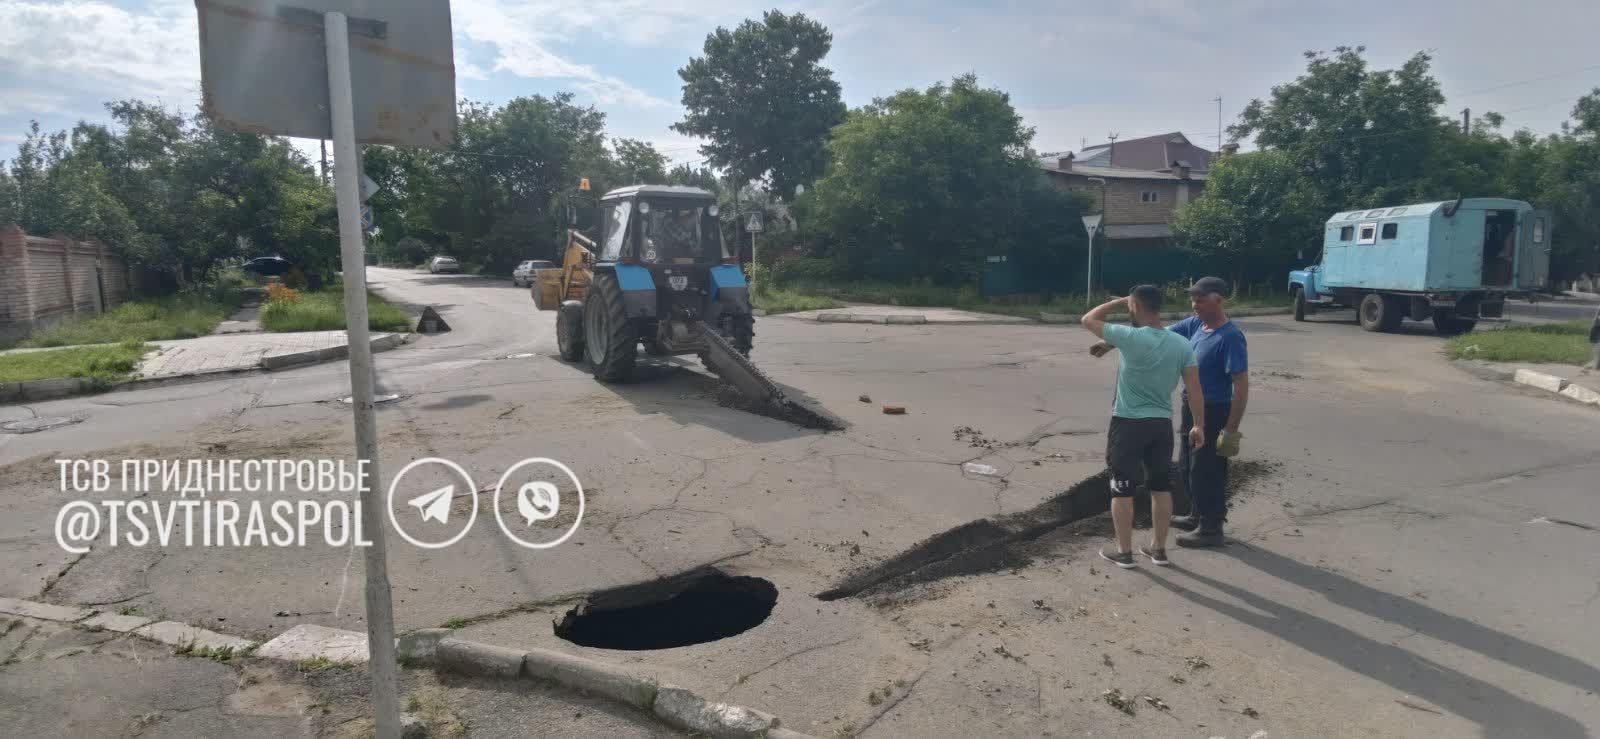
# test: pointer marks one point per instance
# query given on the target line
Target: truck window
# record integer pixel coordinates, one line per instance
(1374, 213)
(1353, 216)
(1397, 211)
(1347, 233)
(1369, 234)
(1390, 230)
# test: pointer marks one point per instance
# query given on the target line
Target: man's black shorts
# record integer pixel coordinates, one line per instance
(1139, 452)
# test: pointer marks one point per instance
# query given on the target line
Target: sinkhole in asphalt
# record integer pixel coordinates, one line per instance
(694, 608)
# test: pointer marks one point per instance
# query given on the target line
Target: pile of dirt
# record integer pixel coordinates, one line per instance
(1005, 542)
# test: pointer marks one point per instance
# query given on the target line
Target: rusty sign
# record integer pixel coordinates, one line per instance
(264, 68)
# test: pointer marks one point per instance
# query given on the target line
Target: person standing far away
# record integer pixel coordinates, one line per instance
(1139, 440)
(1224, 361)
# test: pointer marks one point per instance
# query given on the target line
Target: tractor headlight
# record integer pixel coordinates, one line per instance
(711, 210)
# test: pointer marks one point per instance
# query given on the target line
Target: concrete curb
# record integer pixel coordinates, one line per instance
(1044, 317)
(64, 387)
(679, 707)
(1557, 385)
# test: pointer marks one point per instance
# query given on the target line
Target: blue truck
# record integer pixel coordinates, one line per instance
(1451, 262)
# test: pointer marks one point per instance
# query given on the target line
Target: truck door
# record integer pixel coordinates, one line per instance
(1533, 259)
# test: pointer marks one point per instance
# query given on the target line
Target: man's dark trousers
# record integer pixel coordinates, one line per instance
(1205, 475)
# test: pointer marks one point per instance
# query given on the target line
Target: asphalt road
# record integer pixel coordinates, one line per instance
(1416, 558)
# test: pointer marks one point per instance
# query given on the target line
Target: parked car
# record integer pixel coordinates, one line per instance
(443, 264)
(522, 276)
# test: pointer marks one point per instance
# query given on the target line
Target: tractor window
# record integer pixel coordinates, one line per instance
(1538, 230)
(616, 216)
(681, 234)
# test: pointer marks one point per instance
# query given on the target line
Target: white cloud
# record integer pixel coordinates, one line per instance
(95, 46)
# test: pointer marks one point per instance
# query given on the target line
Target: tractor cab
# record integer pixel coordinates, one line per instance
(659, 226)
(659, 276)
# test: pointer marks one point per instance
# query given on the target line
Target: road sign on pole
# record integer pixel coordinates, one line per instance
(1090, 224)
(291, 70)
(752, 221)
(366, 217)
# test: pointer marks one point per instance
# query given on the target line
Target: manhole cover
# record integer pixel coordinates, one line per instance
(376, 399)
(696, 608)
(31, 425)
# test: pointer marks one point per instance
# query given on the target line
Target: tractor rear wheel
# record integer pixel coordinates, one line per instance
(569, 330)
(609, 339)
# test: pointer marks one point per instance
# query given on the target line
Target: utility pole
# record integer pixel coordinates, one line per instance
(1466, 120)
(323, 145)
(1218, 101)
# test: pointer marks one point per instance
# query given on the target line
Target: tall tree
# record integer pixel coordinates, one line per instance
(763, 100)
(940, 174)
(1256, 213)
(1362, 136)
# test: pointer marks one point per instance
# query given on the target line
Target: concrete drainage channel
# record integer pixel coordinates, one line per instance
(694, 608)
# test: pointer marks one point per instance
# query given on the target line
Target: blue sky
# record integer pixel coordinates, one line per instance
(1075, 70)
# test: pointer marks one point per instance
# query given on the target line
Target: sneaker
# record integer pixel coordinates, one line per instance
(1120, 559)
(1201, 537)
(1186, 523)
(1157, 556)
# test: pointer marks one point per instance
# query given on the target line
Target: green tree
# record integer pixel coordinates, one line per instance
(1363, 137)
(638, 163)
(942, 175)
(1256, 213)
(763, 100)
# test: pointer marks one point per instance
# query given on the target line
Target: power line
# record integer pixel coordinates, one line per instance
(1528, 81)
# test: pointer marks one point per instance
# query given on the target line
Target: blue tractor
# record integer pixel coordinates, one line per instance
(660, 277)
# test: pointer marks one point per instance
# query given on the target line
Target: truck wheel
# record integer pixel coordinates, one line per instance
(569, 330)
(1299, 304)
(1448, 325)
(610, 341)
(1378, 313)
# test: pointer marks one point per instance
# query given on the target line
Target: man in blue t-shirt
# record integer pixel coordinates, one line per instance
(1139, 441)
(1224, 359)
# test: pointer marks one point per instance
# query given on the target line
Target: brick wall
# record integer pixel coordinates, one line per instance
(45, 280)
(1124, 201)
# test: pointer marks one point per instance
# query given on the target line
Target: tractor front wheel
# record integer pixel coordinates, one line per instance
(569, 330)
(610, 340)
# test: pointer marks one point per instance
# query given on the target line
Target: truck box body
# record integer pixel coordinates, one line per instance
(1486, 244)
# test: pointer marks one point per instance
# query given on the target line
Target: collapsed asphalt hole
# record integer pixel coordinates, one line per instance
(694, 608)
(1006, 542)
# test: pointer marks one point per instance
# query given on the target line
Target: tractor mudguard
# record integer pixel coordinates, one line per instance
(729, 293)
(638, 290)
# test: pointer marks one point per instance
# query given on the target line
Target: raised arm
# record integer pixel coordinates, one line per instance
(1095, 320)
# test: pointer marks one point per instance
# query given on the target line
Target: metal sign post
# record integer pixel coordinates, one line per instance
(347, 193)
(289, 69)
(1090, 224)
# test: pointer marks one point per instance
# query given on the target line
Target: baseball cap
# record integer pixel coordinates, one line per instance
(1206, 285)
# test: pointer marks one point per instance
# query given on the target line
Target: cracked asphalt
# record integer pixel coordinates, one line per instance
(1400, 573)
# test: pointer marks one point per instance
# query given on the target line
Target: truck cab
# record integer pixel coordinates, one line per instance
(1453, 262)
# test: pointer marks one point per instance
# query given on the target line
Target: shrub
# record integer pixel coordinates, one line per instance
(278, 291)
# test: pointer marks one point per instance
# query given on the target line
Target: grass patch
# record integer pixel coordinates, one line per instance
(1553, 343)
(782, 300)
(216, 654)
(320, 663)
(324, 311)
(103, 364)
(181, 316)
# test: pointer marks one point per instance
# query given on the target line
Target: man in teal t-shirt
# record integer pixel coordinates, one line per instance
(1139, 441)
